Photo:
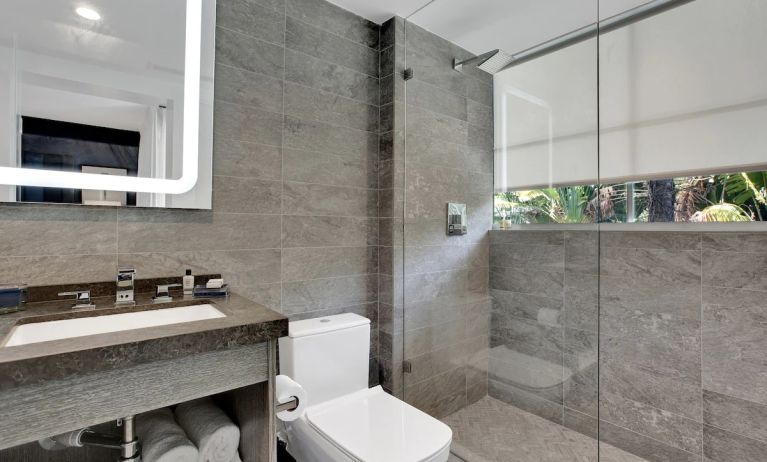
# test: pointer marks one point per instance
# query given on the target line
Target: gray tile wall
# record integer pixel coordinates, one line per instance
(436, 148)
(294, 221)
(681, 346)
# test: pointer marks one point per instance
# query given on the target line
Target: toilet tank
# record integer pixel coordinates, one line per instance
(328, 356)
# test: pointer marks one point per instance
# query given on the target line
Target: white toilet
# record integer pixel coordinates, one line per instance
(345, 420)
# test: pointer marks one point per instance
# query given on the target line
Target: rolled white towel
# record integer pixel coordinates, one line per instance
(162, 439)
(216, 436)
(236, 457)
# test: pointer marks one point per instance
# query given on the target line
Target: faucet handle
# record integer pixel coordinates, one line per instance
(82, 299)
(162, 294)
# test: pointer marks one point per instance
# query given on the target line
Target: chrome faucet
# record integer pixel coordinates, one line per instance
(124, 293)
(82, 300)
(162, 294)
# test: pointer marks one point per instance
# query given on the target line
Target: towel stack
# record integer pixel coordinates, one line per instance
(162, 440)
(200, 432)
(216, 437)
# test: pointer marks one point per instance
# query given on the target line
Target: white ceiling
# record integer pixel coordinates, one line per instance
(483, 25)
(136, 34)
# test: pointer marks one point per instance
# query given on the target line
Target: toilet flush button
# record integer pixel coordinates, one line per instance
(324, 320)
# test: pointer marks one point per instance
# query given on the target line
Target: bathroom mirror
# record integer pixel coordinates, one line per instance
(106, 102)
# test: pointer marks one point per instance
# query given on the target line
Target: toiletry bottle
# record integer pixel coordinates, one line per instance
(188, 282)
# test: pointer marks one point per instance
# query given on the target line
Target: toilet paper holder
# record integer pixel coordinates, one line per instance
(288, 405)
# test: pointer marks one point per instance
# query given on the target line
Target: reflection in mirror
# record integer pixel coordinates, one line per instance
(100, 89)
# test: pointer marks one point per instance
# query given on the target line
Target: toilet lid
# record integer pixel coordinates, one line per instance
(373, 426)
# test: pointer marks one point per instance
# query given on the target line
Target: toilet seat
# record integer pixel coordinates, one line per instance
(372, 426)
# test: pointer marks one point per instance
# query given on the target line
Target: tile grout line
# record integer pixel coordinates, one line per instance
(282, 158)
(346, 39)
(378, 227)
(700, 336)
(291, 82)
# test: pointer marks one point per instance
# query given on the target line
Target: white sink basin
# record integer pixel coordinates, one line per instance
(79, 327)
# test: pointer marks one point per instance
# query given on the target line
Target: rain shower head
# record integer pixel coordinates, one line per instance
(490, 62)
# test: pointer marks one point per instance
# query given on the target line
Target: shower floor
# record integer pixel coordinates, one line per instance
(492, 431)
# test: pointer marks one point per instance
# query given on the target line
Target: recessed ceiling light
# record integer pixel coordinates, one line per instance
(88, 13)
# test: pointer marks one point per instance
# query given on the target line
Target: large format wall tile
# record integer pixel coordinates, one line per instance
(479, 114)
(736, 415)
(248, 17)
(330, 139)
(421, 122)
(527, 306)
(245, 52)
(650, 240)
(440, 395)
(315, 199)
(246, 195)
(315, 263)
(320, 231)
(331, 47)
(52, 230)
(329, 169)
(524, 399)
(537, 282)
(330, 17)
(581, 387)
(315, 294)
(240, 268)
(247, 159)
(436, 362)
(722, 446)
(735, 269)
(649, 267)
(657, 390)
(517, 256)
(245, 123)
(735, 242)
(429, 259)
(248, 88)
(665, 304)
(677, 359)
(58, 269)
(642, 446)
(317, 106)
(436, 151)
(660, 425)
(334, 78)
(426, 96)
(151, 230)
(525, 335)
(735, 343)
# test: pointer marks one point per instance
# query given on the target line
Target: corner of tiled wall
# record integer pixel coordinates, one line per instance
(391, 180)
(436, 147)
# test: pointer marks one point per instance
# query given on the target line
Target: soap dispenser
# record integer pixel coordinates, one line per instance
(188, 282)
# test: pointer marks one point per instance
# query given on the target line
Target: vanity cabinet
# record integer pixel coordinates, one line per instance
(56, 386)
(245, 372)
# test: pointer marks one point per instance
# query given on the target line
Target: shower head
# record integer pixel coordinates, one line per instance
(490, 62)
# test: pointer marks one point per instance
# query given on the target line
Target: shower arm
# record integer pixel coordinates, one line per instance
(592, 30)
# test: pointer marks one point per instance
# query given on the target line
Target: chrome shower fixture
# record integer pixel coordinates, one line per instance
(490, 62)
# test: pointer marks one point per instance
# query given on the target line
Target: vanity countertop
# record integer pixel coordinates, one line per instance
(245, 323)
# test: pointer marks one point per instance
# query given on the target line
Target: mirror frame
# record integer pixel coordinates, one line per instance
(18, 176)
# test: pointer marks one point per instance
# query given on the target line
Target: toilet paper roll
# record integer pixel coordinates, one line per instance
(286, 388)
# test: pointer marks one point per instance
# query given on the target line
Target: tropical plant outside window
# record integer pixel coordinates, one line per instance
(709, 198)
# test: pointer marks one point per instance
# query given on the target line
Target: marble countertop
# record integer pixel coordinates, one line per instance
(246, 323)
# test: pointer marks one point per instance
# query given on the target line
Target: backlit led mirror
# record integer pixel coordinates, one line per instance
(106, 102)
